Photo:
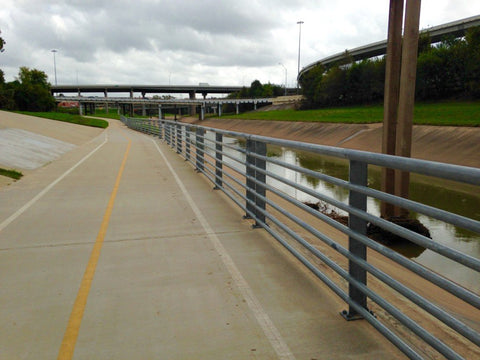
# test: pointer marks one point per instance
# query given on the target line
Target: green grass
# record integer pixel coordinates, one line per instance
(11, 173)
(112, 114)
(453, 113)
(74, 119)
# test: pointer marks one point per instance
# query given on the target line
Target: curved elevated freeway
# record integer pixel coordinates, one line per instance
(437, 33)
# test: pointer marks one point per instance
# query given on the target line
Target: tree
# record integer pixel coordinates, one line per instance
(2, 43)
(32, 91)
(472, 70)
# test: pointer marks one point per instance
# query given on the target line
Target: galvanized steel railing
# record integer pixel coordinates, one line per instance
(241, 173)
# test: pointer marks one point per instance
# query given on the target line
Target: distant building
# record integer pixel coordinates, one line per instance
(68, 104)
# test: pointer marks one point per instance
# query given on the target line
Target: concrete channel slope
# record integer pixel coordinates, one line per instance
(119, 250)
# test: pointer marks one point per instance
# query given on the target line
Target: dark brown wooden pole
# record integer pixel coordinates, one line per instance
(392, 88)
(406, 100)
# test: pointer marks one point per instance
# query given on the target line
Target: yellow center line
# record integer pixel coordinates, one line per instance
(70, 337)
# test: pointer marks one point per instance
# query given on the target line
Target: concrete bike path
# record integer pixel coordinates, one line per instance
(119, 250)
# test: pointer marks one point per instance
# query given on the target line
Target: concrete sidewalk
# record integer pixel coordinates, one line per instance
(179, 274)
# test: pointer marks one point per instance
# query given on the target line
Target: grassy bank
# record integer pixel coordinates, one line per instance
(112, 114)
(441, 113)
(13, 174)
(74, 119)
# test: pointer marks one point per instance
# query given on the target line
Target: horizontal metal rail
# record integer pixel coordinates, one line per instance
(243, 171)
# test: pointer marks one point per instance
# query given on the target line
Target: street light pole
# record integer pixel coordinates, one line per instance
(55, 65)
(285, 77)
(299, 42)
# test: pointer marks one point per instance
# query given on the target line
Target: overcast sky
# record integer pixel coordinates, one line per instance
(221, 42)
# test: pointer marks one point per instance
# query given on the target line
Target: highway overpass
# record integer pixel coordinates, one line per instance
(437, 34)
(146, 89)
(88, 104)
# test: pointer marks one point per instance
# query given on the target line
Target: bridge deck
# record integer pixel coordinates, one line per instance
(132, 255)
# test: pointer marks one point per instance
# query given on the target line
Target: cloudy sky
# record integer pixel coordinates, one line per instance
(221, 42)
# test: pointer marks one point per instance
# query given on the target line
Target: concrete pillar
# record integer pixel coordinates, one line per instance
(193, 108)
(80, 110)
(202, 112)
(254, 105)
(131, 94)
(237, 109)
(159, 111)
(144, 110)
(219, 109)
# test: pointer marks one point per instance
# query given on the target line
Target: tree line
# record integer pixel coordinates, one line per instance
(30, 91)
(447, 70)
(258, 90)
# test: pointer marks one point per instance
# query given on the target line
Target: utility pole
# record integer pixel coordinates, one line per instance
(299, 42)
(55, 65)
(406, 100)
(285, 94)
(390, 103)
(399, 97)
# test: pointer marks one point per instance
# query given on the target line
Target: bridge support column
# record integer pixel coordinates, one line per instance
(254, 105)
(144, 110)
(160, 115)
(105, 93)
(237, 111)
(80, 110)
(219, 109)
(193, 108)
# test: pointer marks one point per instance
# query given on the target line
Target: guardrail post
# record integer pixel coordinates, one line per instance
(250, 172)
(187, 143)
(218, 160)
(167, 134)
(171, 132)
(179, 139)
(260, 191)
(255, 188)
(199, 149)
(358, 176)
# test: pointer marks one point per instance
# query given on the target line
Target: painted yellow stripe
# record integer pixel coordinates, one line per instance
(70, 338)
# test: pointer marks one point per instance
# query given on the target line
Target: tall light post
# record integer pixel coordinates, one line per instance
(285, 77)
(55, 65)
(299, 42)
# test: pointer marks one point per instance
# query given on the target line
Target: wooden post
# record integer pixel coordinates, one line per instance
(407, 96)
(392, 88)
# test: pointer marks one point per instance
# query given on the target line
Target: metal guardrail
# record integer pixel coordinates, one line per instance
(241, 173)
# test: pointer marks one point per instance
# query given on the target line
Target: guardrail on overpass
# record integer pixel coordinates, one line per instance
(243, 175)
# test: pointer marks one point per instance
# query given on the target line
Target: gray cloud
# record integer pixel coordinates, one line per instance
(185, 40)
